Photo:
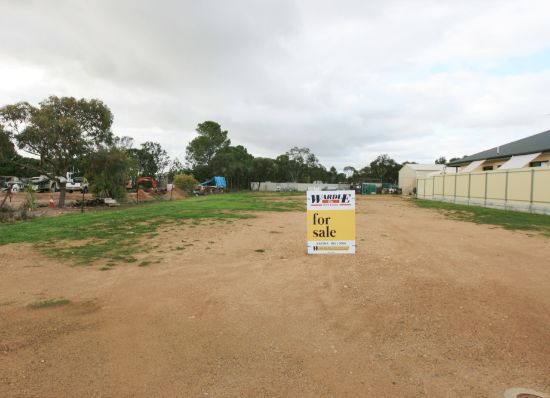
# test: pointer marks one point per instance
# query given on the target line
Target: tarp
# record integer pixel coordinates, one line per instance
(517, 162)
(216, 181)
(472, 166)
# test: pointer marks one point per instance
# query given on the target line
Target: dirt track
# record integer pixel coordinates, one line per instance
(429, 307)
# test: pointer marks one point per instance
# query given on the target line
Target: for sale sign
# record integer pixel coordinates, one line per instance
(331, 222)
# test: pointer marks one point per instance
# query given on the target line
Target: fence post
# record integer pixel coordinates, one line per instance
(532, 189)
(486, 179)
(506, 192)
(443, 191)
(455, 187)
(469, 183)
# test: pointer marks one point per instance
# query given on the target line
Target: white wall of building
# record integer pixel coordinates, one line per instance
(409, 174)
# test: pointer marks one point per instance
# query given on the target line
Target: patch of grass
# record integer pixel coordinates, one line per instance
(116, 234)
(144, 263)
(3, 303)
(49, 303)
(105, 268)
(259, 250)
(512, 220)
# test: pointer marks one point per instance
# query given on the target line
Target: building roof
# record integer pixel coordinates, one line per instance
(425, 167)
(535, 143)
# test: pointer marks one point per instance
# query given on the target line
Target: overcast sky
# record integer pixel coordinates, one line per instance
(348, 79)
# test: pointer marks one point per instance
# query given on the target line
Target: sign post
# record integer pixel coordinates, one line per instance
(331, 222)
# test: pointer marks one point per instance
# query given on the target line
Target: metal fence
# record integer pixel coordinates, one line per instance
(269, 186)
(525, 189)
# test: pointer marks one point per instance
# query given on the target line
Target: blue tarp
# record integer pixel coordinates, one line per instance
(217, 181)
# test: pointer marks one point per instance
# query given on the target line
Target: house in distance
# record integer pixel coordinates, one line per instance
(532, 151)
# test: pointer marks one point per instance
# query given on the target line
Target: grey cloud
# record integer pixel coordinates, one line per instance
(348, 79)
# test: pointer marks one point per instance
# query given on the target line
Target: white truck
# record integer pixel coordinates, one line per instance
(72, 183)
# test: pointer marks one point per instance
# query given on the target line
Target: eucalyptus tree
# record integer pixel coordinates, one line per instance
(60, 131)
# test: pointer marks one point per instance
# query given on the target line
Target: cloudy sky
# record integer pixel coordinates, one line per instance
(415, 79)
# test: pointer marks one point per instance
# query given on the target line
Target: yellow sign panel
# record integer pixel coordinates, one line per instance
(330, 225)
(331, 222)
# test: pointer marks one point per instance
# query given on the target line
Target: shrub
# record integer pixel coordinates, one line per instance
(108, 171)
(185, 182)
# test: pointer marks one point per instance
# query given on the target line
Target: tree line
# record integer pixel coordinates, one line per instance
(64, 134)
(211, 153)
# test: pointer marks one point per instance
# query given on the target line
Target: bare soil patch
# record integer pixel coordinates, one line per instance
(428, 307)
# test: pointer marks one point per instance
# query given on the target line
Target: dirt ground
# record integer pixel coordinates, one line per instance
(428, 307)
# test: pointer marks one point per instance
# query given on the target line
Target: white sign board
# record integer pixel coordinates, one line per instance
(331, 222)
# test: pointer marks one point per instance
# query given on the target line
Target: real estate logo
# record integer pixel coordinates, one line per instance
(331, 222)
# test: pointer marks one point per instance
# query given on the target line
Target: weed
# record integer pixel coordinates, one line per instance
(49, 303)
(144, 263)
(259, 250)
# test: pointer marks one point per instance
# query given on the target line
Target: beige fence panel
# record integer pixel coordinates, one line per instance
(541, 186)
(496, 186)
(438, 186)
(462, 185)
(429, 187)
(449, 185)
(477, 185)
(519, 186)
(517, 189)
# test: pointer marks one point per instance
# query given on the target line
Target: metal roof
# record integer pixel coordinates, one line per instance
(535, 143)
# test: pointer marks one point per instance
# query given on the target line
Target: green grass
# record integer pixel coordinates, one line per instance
(115, 235)
(49, 303)
(512, 220)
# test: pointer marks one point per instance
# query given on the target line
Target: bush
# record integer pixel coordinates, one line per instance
(185, 182)
(108, 171)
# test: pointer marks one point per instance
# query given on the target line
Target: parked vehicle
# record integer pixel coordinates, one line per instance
(76, 184)
(392, 189)
(216, 184)
(149, 184)
(72, 183)
(15, 183)
(41, 183)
